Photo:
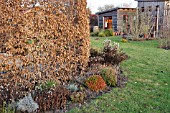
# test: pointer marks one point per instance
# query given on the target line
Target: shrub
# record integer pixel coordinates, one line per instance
(51, 99)
(94, 34)
(42, 48)
(109, 75)
(110, 55)
(102, 34)
(124, 40)
(108, 32)
(12, 92)
(164, 43)
(96, 83)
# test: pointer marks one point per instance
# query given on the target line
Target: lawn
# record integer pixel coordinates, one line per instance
(148, 87)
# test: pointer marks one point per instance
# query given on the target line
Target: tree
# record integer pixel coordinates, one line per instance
(140, 24)
(126, 5)
(93, 21)
(89, 12)
(105, 7)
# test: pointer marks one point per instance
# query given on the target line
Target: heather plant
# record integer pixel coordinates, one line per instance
(109, 75)
(95, 83)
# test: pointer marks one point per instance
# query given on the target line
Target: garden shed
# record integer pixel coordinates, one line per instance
(115, 18)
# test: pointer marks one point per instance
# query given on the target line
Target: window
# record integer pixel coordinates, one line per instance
(157, 7)
(150, 8)
(142, 9)
(168, 8)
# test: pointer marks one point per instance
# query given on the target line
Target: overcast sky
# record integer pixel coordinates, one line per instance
(94, 4)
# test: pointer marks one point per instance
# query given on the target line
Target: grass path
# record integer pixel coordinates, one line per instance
(148, 88)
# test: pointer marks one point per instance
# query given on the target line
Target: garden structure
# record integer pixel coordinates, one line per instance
(115, 18)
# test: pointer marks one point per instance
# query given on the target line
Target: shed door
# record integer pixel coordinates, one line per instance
(108, 22)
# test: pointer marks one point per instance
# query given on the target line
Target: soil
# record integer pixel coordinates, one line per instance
(167, 48)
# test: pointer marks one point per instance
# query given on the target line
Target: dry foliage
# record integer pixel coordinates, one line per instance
(42, 42)
(53, 99)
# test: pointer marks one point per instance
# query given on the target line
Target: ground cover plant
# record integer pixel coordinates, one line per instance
(148, 85)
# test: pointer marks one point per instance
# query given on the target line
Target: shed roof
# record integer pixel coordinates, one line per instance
(113, 9)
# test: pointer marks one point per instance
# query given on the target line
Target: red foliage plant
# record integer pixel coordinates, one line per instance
(96, 83)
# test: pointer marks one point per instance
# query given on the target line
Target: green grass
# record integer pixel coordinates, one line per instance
(148, 87)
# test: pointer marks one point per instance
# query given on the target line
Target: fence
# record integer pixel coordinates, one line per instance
(42, 41)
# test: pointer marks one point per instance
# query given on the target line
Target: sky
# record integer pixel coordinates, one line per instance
(94, 4)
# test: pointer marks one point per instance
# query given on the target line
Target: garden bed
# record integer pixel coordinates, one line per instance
(101, 75)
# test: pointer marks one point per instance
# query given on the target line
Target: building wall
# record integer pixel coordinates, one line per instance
(153, 5)
(121, 12)
(163, 14)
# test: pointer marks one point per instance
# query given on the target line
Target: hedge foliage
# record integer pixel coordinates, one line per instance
(45, 41)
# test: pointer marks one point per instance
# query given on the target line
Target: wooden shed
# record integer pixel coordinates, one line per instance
(115, 18)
